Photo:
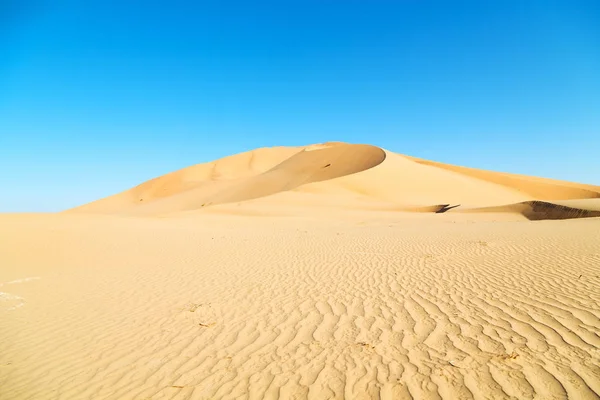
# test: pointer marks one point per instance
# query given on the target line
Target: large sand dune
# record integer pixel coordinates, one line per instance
(361, 173)
(327, 271)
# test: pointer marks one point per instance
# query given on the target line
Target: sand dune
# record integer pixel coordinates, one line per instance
(355, 171)
(542, 210)
(329, 271)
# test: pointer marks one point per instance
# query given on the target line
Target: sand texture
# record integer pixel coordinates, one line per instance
(328, 271)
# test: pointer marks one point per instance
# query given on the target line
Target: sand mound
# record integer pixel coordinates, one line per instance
(542, 210)
(359, 176)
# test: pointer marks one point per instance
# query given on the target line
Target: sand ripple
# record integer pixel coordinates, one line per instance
(235, 308)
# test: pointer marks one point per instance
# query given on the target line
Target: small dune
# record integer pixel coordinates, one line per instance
(543, 210)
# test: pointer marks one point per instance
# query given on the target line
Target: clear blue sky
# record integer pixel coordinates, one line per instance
(98, 96)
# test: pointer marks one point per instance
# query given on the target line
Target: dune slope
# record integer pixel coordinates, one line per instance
(539, 188)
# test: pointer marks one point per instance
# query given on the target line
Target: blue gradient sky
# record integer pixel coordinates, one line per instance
(99, 96)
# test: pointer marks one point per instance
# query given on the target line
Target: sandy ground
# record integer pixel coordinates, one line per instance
(261, 277)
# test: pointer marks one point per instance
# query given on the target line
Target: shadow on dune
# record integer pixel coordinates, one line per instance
(437, 208)
(445, 207)
(320, 164)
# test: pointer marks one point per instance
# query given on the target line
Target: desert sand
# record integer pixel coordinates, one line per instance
(326, 271)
